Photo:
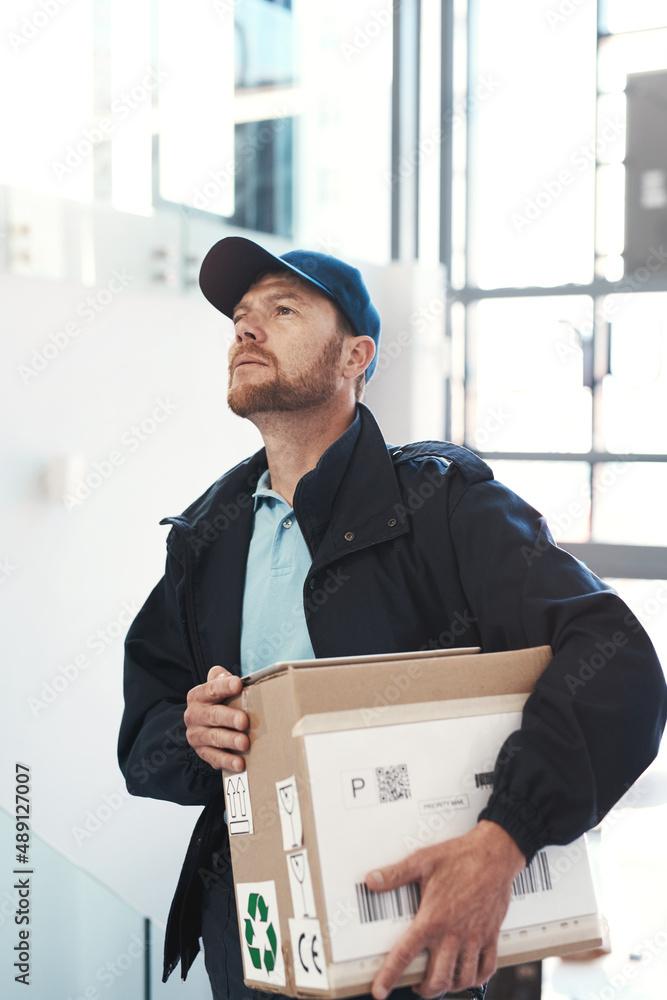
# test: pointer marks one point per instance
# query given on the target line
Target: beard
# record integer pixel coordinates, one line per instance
(282, 393)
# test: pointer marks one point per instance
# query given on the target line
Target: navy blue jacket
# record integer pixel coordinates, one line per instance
(415, 547)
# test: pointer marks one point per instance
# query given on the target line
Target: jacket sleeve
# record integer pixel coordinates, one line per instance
(595, 719)
(153, 752)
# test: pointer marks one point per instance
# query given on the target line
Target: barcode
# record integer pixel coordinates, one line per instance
(394, 905)
(393, 783)
(535, 878)
(484, 779)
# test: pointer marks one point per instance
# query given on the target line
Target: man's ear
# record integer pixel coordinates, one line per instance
(361, 351)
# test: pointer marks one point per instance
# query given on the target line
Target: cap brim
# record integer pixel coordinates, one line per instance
(232, 265)
(229, 269)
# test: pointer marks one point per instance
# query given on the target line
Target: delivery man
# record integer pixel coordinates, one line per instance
(329, 543)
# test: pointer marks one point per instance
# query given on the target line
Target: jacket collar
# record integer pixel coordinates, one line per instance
(349, 501)
(316, 491)
(350, 498)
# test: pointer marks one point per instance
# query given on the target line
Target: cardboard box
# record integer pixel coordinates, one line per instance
(354, 764)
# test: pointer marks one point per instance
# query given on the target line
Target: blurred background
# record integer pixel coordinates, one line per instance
(499, 173)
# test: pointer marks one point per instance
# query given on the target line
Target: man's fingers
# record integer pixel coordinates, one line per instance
(213, 716)
(216, 691)
(411, 869)
(219, 716)
(220, 760)
(221, 687)
(218, 747)
(439, 976)
(465, 890)
(396, 963)
(465, 970)
(213, 729)
(215, 672)
(219, 684)
(488, 961)
(217, 737)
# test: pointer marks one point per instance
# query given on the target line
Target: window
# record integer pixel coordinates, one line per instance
(558, 268)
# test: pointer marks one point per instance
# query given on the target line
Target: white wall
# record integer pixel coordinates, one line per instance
(74, 572)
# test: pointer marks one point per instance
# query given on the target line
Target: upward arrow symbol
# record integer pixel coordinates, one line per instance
(240, 788)
(231, 798)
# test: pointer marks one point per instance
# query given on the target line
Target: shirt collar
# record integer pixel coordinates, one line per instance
(263, 491)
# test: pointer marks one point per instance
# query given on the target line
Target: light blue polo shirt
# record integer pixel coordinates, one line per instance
(273, 626)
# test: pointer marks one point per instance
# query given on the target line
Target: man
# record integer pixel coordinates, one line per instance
(327, 501)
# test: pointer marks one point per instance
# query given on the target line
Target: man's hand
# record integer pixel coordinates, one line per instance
(466, 885)
(214, 729)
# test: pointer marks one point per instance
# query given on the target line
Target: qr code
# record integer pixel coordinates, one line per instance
(393, 783)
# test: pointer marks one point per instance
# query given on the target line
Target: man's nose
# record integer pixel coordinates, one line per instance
(249, 328)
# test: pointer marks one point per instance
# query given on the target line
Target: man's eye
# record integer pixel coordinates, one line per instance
(284, 309)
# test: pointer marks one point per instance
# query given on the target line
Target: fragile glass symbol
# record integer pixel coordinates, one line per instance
(287, 799)
(297, 861)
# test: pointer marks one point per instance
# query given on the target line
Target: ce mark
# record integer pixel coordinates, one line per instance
(314, 953)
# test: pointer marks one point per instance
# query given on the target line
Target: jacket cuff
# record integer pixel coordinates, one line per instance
(520, 820)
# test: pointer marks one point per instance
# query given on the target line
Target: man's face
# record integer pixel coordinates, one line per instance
(287, 348)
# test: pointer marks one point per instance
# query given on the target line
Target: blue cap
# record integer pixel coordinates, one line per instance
(232, 265)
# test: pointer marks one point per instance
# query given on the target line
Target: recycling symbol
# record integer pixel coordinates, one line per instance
(260, 934)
